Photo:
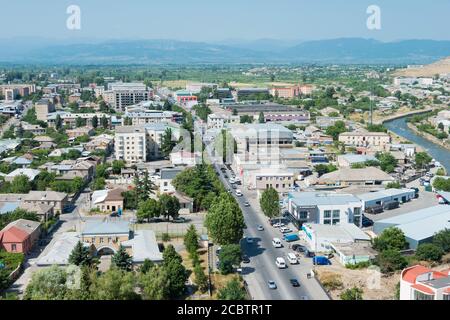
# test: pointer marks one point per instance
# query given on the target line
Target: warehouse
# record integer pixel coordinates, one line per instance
(418, 226)
(381, 197)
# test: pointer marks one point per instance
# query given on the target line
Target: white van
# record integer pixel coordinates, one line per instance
(281, 264)
(276, 242)
(292, 258)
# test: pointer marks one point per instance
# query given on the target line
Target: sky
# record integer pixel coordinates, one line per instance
(217, 20)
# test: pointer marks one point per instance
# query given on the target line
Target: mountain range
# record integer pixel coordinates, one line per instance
(150, 52)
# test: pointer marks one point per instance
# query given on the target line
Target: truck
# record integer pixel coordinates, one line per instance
(321, 261)
(290, 237)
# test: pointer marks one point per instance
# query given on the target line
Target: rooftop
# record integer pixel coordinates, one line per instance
(144, 246)
(321, 198)
(349, 174)
(106, 227)
(384, 193)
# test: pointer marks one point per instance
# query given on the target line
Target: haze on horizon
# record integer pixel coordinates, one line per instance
(232, 20)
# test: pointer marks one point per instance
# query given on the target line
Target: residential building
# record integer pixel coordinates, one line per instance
(43, 108)
(286, 92)
(167, 175)
(109, 200)
(56, 199)
(325, 208)
(347, 160)
(31, 174)
(418, 226)
(153, 116)
(185, 158)
(33, 128)
(280, 180)
(218, 121)
(120, 95)
(22, 89)
(103, 142)
(421, 283)
(78, 132)
(70, 119)
(20, 236)
(365, 139)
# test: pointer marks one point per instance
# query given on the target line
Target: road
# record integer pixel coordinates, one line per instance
(263, 255)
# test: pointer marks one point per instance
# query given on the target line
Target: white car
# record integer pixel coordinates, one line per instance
(281, 263)
(238, 193)
(249, 240)
(260, 228)
(231, 180)
(285, 229)
(276, 242)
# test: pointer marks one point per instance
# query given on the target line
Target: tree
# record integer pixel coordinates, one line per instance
(122, 260)
(441, 184)
(201, 280)
(58, 122)
(336, 129)
(229, 256)
(225, 221)
(148, 209)
(176, 273)
(114, 284)
(269, 202)
(442, 239)
(391, 238)
(105, 122)
(20, 184)
(390, 260)
(169, 206)
(354, 293)
(191, 239)
(167, 144)
(154, 284)
(147, 265)
(117, 166)
(261, 118)
(80, 122)
(387, 161)
(80, 255)
(47, 284)
(94, 122)
(234, 113)
(321, 169)
(246, 119)
(98, 184)
(232, 291)
(422, 159)
(393, 185)
(429, 252)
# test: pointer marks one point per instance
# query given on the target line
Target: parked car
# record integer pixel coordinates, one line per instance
(239, 193)
(290, 237)
(294, 282)
(298, 247)
(249, 240)
(179, 220)
(272, 285)
(309, 254)
(245, 259)
(233, 186)
(114, 214)
(374, 209)
(260, 228)
(276, 242)
(246, 204)
(391, 205)
(285, 230)
(321, 261)
(366, 222)
(292, 258)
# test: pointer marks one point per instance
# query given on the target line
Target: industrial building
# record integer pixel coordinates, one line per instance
(418, 226)
(381, 197)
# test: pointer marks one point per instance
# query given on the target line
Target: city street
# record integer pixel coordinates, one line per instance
(262, 256)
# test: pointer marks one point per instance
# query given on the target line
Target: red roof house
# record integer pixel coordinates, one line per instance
(19, 236)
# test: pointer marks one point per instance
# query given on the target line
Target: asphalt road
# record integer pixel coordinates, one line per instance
(262, 256)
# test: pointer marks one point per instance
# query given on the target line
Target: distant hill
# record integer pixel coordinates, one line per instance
(345, 50)
(438, 67)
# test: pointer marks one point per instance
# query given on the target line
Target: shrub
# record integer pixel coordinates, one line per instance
(429, 252)
(165, 237)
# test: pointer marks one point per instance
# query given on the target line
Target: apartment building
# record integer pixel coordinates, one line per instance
(142, 143)
(70, 119)
(218, 121)
(365, 139)
(285, 92)
(119, 95)
(153, 116)
(22, 89)
(421, 283)
(265, 178)
(43, 108)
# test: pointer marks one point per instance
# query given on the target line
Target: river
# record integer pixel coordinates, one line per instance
(439, 153)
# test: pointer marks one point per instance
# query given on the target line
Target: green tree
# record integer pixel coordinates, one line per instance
(354, 293)
(95, 122)
(80, 255)
(47, 284)
(80, 122)
(390, 260)
(261, 118)
(387, 161)
(393, 185)
(122, 260)
(336, 129)
(148, 209)
(441, 184)
(191, 239)
(232, 291)
(429, 252)
(105, 122)
(442, 239)
(154, 284)
(169, 206)
(147, 265)
(391, 238)
(229, 256)
(20, 184)
(269, 202)
(246, 119)
(176, 273)
(225, 221)
(117, 166)
(58, 122)
(321, 169)
(201, 280)
(114, 284)
(422, 159)
(167, 143)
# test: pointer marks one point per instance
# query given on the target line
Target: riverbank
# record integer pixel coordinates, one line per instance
(428, 136)
(405, 115)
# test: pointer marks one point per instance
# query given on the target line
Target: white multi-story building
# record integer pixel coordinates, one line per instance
(364, 139)
(218, 121)
(119, 95)
(142, 143)
(420, 283)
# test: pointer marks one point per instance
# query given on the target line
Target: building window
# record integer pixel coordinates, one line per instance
(327, 221)
(336, 213)
(327, 214)
(14, 247)
(446, 296)
(422, 296)
(303, 215)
